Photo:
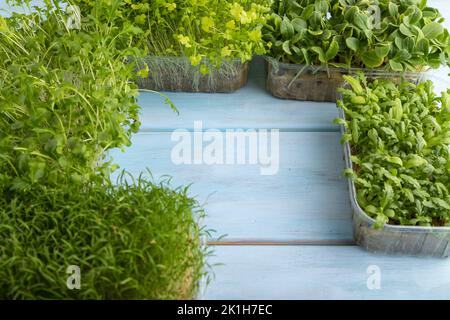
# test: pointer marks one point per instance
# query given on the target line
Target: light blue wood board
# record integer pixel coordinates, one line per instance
(307, 199)
(323, 272)
(249, 107)
(444, 8)
(6, 9)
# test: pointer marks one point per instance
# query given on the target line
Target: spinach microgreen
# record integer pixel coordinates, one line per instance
(392, 34)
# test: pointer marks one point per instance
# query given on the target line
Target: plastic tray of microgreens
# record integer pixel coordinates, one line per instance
(178, 74)
(397, 158)
(315, 83)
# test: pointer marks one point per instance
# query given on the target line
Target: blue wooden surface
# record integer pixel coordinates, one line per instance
(323, 272)
(306, 201)
(249, 107)
(6, 9)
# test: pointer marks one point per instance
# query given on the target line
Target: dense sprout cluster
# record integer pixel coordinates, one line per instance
(400, 137)
(392, 34)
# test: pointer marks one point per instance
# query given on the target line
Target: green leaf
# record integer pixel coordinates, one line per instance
(373, 135)
(411, 181)
(390, 213)
(37, 171)
(389, 132)
(345, 137)
(363, 182)
(355, 131)
(393, 9)
(415, 161)
(429, 204)
(423, 45)
(286, 47)
(332, 50)
(371, 209)
(408, 44)
(350, 13)
(416, 16)
(306, 56)
(397, 109)
(316, 20)
(358, 100)
(432, 30)
(382, 51)
(405, 30)
(340, 121)
(409, 195)
(399, 42)
(349, 173)
(442, 203)
(360, 21)
(143, 73)
(380, 221)
(326, 35)
(320, 53)
(355, 159)
(395, 160)
(287, 30)
(354, 83)
(297, 51)
(315, 32)
(352, 43)
(299, 25)
(388, 191)
(403, 55)
(396, 66)
(439, 140)
(371, 59)
(307, 12)
(321, 6)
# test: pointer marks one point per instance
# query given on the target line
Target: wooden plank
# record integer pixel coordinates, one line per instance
(324, 272)
(6, 9)
(306, 200)
(249, 107)
(270, 242)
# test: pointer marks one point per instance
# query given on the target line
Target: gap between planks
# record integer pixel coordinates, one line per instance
(303, 130)
(268, 242)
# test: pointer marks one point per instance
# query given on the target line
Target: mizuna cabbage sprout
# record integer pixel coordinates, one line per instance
(207, 32)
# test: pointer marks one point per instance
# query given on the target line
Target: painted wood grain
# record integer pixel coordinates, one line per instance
(6, 9)
(323, 272)
(249, 107)
(306, 199)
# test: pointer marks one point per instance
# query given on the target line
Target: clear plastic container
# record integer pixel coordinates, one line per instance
(177, 74)
(315, 83)
(395, 239)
